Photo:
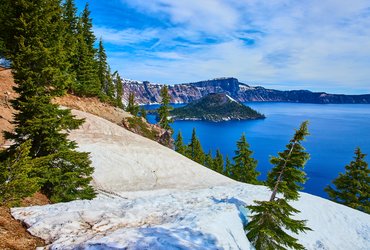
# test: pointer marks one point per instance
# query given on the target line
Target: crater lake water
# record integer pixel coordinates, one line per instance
(335, 131)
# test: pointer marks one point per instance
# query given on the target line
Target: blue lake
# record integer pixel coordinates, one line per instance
(335, 131)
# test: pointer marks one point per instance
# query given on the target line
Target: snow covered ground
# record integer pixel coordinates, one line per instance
(152, 198)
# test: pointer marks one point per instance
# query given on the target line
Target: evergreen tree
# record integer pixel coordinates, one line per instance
(287, 175)
(15, 179)
(179, 144)
(40, 69)
(353, 187)
(164, 110)
(143, 112)
(69, 16)
(132, 107)
(218, 162)
(228, 167)
(119, 90)
(87, 29)
(194, 149)
(270, 219)
(88, 83)
(244, 169)
(208, 160)
(104, 74)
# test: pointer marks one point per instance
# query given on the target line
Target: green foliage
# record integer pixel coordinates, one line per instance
(208, 160)
(41, 72)
(228, 167)
(218, 162)
(244, 169)
(104, 74)
(70, 19)
(87, 78)
(352, 188)
(67, 176)
(269, 218)
(143, 113)
(179, 144)
(194, 149)
(287, 175)
(119, 90)
(164, 110)
(132, 107)
(265, 230)
(15, 179)
(141, 127)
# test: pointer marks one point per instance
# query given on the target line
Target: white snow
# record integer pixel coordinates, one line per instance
(152, 198)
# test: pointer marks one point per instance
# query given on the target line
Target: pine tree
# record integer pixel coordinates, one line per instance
(119, 90)
(87, 77)
(208, 160)
(218, 162)
(40, 69)
(287, 175)
(104, 73)
(132, 107)
(69, 16)
(228, 167)
(143, 112)
(244, 169)
(164, 110)
(270, 219)
(15, 179)
(87, 29)
(179, 144)
(194, 149)
(353, 187)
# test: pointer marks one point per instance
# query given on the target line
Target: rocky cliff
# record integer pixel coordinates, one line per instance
(149, 93)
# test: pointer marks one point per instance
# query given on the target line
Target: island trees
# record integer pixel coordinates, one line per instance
(353, 187)
(271, 219)
(41, 71)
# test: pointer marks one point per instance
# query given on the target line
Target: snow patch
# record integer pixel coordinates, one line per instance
(153, 198)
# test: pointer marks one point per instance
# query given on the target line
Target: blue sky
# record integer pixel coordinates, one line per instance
(321, 45)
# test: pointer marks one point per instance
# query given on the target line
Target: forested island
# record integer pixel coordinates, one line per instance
(215, 107)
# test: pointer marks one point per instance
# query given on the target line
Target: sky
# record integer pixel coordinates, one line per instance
(320, 45)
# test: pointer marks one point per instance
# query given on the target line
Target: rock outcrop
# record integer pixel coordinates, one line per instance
(149, 93)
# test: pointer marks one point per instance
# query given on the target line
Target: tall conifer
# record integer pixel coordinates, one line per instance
(132, 107)
(164, 110)
(244, 168)
(87, 77)
(41, 72)
(195, 150)
(179, 144)
(218, 162)
(352, 188)
(119, 90)
(271, 219)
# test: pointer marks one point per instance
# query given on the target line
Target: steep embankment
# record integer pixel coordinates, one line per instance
(153, 198)
(146, 92)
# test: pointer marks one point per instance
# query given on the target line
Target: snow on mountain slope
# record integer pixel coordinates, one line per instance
(125, 161)
(153, 198)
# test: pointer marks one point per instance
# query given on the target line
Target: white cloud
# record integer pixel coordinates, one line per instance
(317, 44)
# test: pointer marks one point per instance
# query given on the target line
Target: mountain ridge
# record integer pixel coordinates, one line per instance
(149, 93)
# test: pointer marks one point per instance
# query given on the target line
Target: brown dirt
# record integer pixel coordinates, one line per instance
(6, 93)
(93, 106)
(13, 234)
